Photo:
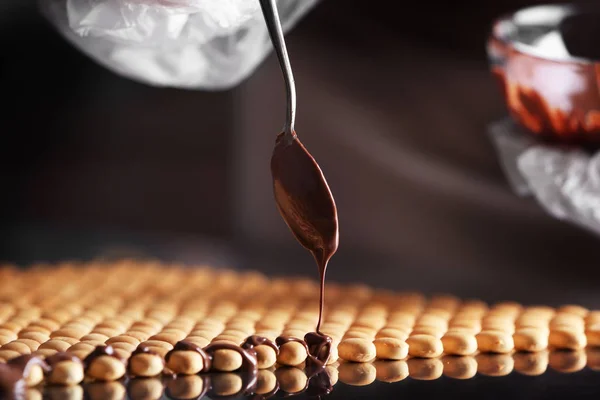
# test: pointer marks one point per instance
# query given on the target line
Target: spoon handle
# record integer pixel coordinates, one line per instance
(269, 9)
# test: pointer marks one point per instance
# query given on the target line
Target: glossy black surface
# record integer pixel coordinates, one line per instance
(551, 385)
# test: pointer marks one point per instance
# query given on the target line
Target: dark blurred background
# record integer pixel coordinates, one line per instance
(394, 100)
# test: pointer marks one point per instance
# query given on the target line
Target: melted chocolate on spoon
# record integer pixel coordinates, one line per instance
(301, 191)
(305, 203)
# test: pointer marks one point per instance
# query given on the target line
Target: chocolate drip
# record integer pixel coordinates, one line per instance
(183, 345)
(98, 352)
(254, 340)
(61, 356)
(306, 204)
(249, 363)
(319, 351)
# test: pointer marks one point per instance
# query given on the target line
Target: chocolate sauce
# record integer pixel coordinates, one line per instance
(61, 356)
(254, 340)
(183, 345)
(319, 351)
(305, 202)
(98, 352)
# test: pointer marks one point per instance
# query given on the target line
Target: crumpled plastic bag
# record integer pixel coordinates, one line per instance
(564, 180)
(195, 44)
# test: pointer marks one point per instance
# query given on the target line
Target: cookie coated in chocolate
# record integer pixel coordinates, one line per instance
(319, 351)
(255, 340)
(17, 369)
(98, 352)
(183, 345)
(248, 355)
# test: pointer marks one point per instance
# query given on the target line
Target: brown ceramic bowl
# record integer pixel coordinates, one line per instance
(547, 60)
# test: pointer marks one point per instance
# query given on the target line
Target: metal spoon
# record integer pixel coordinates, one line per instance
(301, 192)
(269, 9)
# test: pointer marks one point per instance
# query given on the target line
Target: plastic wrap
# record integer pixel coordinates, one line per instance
(564, 180)
(197, 44)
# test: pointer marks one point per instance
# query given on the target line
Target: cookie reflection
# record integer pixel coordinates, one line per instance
(64, 392)
(567, 361)
(357, 374)
(390, 371)
(333, 372)
(145, 389)
(29, 394)
(104, 391)
(593, 358)
(186, 387)
(531, 364)
(291, 380)
(459, 367)
(425, 369)
(225, 384)
(494, 364)
(266, 383)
